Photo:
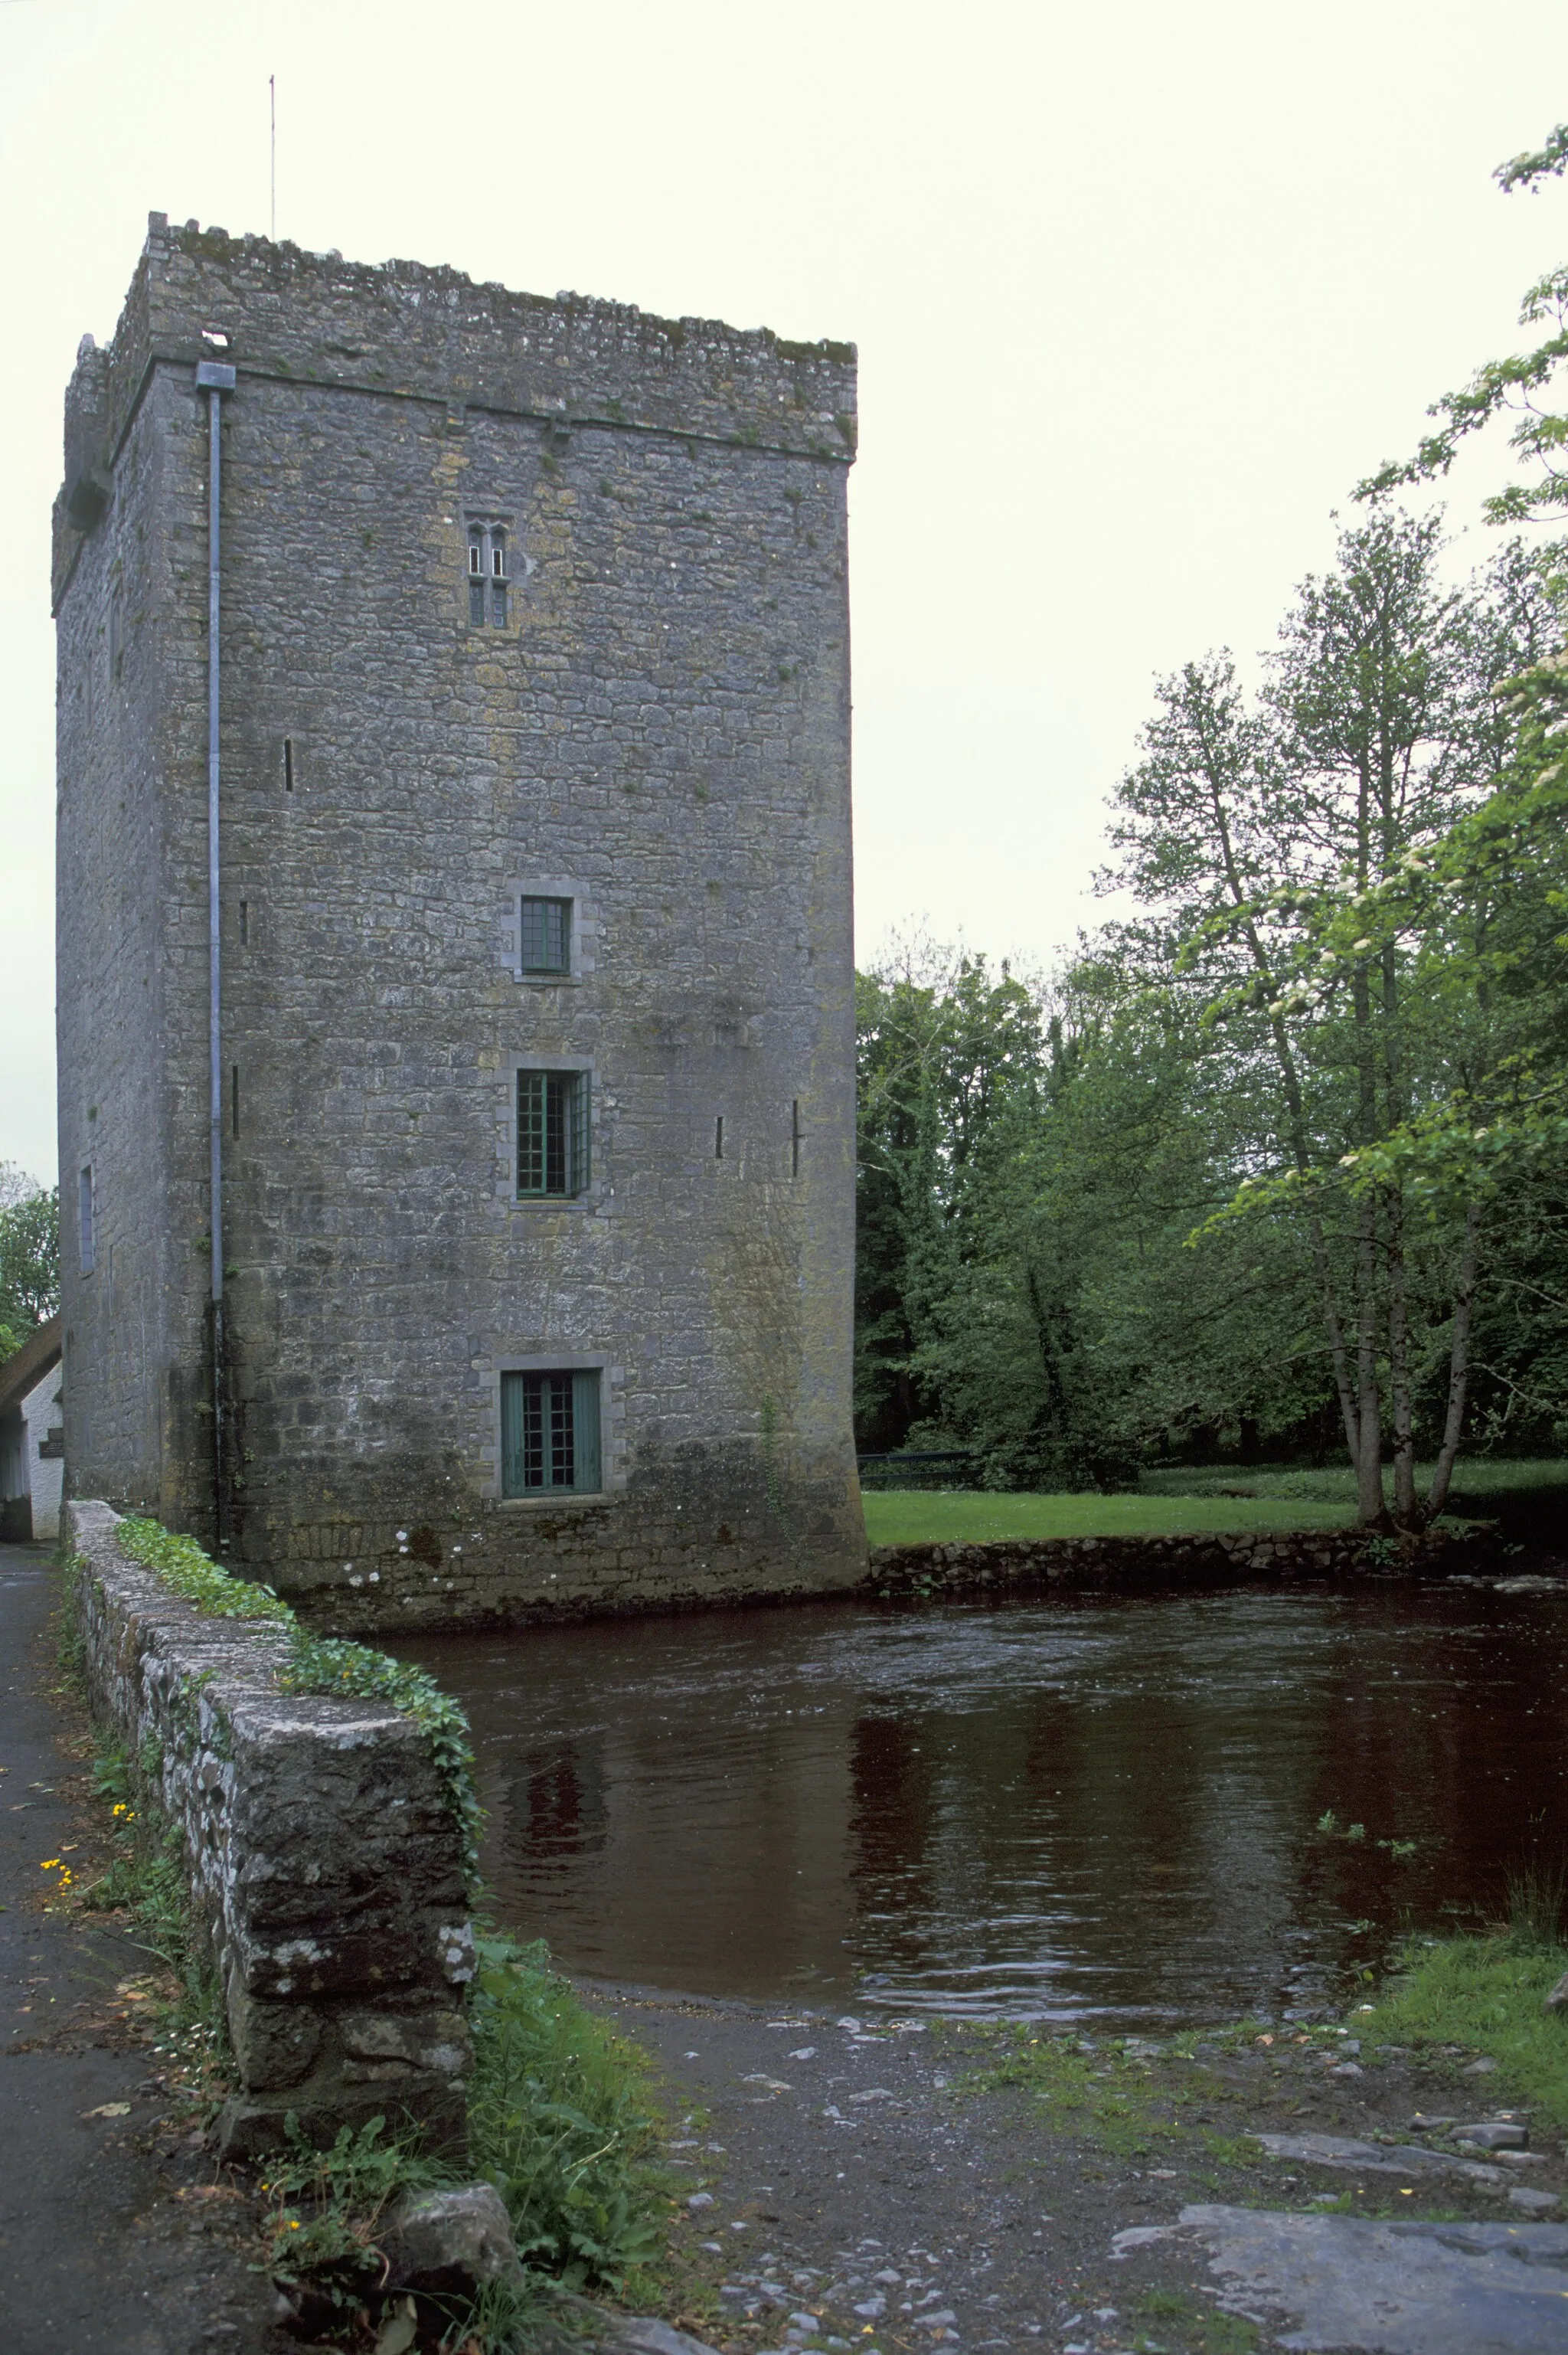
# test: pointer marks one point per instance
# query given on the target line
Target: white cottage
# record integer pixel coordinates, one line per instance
(32, 1438)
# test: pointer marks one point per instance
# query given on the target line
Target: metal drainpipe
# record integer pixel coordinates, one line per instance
(214, 380)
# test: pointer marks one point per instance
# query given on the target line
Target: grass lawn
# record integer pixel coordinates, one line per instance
(912, 1516)
(1219, 1500)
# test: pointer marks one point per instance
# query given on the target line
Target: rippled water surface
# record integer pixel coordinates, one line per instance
(1063, 1808)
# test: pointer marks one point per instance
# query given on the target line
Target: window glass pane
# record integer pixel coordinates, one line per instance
(546, 935)
(531, 1121)
(498, 607)
(579, 1112)
(556, 1392)
(476, 601)
(557, 1131)
(549, 1432)
(476, 551)
(512, 1408)
(552, 1132)
(498, 554)
(585, 1431)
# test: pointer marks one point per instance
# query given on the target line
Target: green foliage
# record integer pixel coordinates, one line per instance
(29, 1256)
(328, 2206)
(1518, 386)
(183, 1567)
(329, 1667)
(1484, 1995)
(145, 1873)
(943, 1050)
(561, 2121)
(1277, 1163)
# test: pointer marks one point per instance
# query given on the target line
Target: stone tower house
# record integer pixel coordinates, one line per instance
(529, 937)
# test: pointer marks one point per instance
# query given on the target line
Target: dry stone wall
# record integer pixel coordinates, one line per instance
(1165, 1564)
(326, 1865)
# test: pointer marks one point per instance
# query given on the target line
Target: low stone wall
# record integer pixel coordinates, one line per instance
(326, 1865)
(1139, 1565)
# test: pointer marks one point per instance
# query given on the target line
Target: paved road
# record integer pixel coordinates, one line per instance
(97, 2250)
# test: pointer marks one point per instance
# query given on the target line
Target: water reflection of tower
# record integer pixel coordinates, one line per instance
(555, 1805)
(893, 1821)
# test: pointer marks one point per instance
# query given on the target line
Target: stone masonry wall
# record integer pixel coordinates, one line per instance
(325, 1866)
(660, 731)
(1167, 1564)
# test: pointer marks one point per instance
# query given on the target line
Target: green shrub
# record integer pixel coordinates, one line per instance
(562, 2121)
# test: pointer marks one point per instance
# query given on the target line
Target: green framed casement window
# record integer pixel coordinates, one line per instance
(546, 935)
(549, 1433)
(552, 1133)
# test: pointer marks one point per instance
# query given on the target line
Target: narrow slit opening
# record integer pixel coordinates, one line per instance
(795, 1138)
(288, 764)
(245, 924)
(718, 1138)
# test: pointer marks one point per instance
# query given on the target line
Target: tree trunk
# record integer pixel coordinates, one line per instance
(1368, 1406)
(1458, 1365)
(1405, 1516)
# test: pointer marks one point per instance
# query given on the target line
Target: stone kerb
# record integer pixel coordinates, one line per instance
(325, 1866)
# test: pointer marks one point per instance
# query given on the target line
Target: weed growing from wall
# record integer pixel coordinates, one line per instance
(181, 1566)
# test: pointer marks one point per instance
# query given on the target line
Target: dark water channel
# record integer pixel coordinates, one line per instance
(1061, 1808)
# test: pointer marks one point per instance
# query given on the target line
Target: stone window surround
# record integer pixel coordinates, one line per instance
(549, 1204)
(611, 1429)
(584, 930)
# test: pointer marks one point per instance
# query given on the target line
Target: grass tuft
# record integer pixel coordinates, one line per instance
(1484, 1995)
(1535, 1896)
(563, 2122)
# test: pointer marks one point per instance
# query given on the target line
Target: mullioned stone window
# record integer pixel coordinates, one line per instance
(489, 571)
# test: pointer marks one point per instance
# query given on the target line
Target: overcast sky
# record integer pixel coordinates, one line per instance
(1140, 291)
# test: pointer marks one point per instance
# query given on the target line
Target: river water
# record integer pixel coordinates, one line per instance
(1063, 1809)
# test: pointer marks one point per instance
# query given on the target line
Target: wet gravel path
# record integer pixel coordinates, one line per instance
(849, 2189)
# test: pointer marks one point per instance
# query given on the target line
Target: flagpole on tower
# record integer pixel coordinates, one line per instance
(273, 95)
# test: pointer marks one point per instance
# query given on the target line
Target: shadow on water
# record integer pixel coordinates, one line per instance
(1066, 1808)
